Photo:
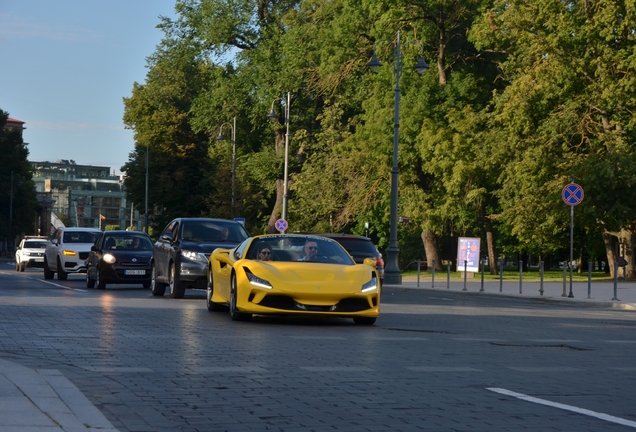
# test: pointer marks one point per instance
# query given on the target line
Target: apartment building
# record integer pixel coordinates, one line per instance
(85, 195)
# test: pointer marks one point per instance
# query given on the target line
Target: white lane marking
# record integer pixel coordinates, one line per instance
(442, 298)
(578, 410)
(318, 337)
(442, 369)
(546, 369)
(478, 339)
(554, 340)
(620, 341)
(337, 369)
(380, 338)
(60, 286)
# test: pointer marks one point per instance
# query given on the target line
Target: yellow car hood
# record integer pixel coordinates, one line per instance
(295, 275)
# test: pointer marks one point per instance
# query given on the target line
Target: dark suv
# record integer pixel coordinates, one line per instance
(359, 247)
(180, 256)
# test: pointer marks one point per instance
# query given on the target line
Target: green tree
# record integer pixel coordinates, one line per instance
(17, 191)
(567, 111)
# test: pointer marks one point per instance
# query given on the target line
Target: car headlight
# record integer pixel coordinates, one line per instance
(194, 256)
(255, 280)
(109, 258)
(371, 285)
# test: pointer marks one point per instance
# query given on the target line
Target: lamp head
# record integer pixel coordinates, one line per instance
(272, 116)
(374, 64)
(221, 137)
(421, 66)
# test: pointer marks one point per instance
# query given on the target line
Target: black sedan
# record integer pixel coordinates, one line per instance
(119, 257)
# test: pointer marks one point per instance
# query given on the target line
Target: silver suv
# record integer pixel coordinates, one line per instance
(68, 251)
(30, 252)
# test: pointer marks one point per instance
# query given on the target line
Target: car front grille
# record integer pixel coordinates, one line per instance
(83, 255)
(352, 304)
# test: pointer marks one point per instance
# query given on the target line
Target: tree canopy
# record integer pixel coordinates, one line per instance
(521, 97)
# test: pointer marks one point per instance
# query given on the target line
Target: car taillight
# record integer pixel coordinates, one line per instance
(379, 262)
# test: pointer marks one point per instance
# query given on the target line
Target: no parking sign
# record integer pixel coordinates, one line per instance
(281, 225)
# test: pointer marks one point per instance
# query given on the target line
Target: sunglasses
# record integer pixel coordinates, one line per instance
(266, 253)
(312, 247)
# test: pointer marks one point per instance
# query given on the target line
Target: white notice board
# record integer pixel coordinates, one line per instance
(468, 250)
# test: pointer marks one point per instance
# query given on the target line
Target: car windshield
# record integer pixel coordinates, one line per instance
(79, 237)
(127, 242)
(213, 231)
(300, 248)
(35, 244)
(358, 247)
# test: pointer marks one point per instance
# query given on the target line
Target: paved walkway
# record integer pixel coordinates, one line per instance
(595, 294)
(45, 401)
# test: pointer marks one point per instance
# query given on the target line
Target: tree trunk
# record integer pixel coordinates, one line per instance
(279, 147)
(610, 251)
(626, 242)
(430, 249)
(490, 244)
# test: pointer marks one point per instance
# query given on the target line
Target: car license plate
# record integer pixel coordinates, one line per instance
(134, 272)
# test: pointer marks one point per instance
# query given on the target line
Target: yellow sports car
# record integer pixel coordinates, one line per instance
(292, 275)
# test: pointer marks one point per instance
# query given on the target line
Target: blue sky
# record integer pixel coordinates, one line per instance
(67, 64)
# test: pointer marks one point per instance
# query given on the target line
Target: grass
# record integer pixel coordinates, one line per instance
(510, 274)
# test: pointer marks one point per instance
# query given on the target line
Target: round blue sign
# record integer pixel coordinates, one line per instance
(281, 225)
(572, 194)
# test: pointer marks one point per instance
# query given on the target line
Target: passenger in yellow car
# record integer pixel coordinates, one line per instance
(265, 253)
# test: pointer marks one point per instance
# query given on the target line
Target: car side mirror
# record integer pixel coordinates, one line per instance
(95, 248)
(370, 262)
(54, 241)
(166, 237)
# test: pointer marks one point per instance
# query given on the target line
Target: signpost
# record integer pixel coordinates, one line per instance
(572, 195)
(281, 225)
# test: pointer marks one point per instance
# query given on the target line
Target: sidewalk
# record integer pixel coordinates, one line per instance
(600, 293)
(44, 401)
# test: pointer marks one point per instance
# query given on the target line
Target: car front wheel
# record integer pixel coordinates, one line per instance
(212, 307)
(48, 274)
(234, 313)
(90, 283)
(101, 282)
(176, 291)
(156, 288)
(61, 274)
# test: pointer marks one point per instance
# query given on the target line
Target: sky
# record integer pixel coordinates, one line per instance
(65, 67)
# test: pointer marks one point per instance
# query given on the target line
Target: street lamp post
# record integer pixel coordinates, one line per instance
(273, 117)
(392, 275)
(146, 196)
(222, 138)
(11, 215)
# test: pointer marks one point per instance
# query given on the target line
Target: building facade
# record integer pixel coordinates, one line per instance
(84, 195)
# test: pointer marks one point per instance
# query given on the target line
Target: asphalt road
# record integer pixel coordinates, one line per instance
(433, 361)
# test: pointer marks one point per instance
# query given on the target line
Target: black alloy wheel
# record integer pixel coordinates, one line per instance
(176, 291)
(90, 283)
(61, 274)
(212, 306)
(234, 313)
(156, 288)
(101, 282)
(48, 274)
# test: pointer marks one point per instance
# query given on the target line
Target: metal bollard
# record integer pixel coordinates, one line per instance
(541, 278)
(418, 273)
(615, 298)
(520, 277)
(482, 276)
(501, 262)
(448, 275)
(433, 275)
(465, 268)
(589, 279)
(564, 280)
